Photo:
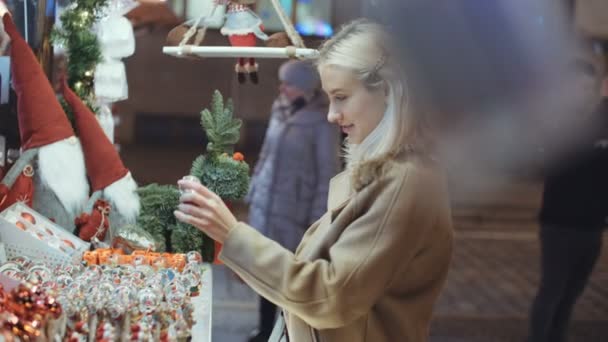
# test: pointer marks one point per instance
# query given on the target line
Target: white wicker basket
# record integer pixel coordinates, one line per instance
(18, 242)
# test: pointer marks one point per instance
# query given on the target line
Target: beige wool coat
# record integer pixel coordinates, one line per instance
(371, 268)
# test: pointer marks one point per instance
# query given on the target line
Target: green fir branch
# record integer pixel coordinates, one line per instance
(223, 131)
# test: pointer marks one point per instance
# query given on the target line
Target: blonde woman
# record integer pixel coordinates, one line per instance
(372, 267)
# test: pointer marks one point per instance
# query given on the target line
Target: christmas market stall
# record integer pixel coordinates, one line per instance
(85, 253)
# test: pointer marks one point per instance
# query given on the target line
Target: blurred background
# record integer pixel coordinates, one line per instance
(494, 75)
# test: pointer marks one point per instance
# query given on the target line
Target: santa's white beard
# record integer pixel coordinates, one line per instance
(61, 168)
(123, 196)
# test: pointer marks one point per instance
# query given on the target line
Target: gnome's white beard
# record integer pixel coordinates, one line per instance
(61, 168)
(123, 196)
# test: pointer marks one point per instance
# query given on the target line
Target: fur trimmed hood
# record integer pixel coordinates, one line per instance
(363, 174)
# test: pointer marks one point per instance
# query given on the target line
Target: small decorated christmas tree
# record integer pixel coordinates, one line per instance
(219, 169)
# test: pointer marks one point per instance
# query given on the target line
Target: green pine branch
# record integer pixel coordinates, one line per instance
(157, 205)
(223, 131)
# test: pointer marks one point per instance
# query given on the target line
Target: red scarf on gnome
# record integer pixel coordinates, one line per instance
(96, 224)
(21, 191)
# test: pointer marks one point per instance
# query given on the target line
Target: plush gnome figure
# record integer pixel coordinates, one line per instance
(50, 173)
(242, 27)
(114, 201)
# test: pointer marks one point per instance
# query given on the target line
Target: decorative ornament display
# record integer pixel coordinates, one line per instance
(39, 230)
(115, 256)
(129, 302)
(243, 27)
(133, 237)
(27, 313)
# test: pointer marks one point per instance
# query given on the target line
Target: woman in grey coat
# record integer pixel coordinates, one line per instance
(299, 156)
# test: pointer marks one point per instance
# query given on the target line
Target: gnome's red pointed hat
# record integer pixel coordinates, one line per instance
(41, 118)
(104, 165)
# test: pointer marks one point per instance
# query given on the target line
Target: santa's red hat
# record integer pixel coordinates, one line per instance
(41, 118)
(104, 165)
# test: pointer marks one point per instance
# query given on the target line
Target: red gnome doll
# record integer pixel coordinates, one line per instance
(95, 225)
(114, 201)
(242, 27)
(50, 173)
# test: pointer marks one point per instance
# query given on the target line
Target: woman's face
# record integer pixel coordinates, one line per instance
(355, 108)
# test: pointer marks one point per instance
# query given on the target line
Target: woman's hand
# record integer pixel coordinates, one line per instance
(204, 209)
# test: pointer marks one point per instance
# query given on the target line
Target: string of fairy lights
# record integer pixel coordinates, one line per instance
(82, 47)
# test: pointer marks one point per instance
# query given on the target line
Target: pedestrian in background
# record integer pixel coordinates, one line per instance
(574, 204)
(299, 156)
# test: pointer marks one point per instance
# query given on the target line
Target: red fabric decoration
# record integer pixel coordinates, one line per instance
(103, 163)
(41, 118)
(3, 194)
(97, 223)
(22, 190)
(218, 249)
(248, 40)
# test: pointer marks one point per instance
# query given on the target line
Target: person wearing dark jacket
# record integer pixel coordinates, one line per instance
(572, 218)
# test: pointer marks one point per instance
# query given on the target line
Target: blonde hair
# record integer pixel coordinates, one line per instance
(366, 49)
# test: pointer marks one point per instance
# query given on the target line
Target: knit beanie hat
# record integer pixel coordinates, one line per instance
(300, 74)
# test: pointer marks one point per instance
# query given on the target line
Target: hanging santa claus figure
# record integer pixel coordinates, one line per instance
(243, 26)
(50, 173)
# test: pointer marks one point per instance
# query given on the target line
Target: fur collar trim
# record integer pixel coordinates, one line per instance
(364, 173)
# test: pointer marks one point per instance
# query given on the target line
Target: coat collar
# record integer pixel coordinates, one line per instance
(349, 182)
(340, 190)
(364, 173)
(346, 184)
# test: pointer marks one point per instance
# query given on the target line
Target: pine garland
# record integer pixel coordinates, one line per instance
(83, 49)
(223, 175)
(185, 238)
(156, 215)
